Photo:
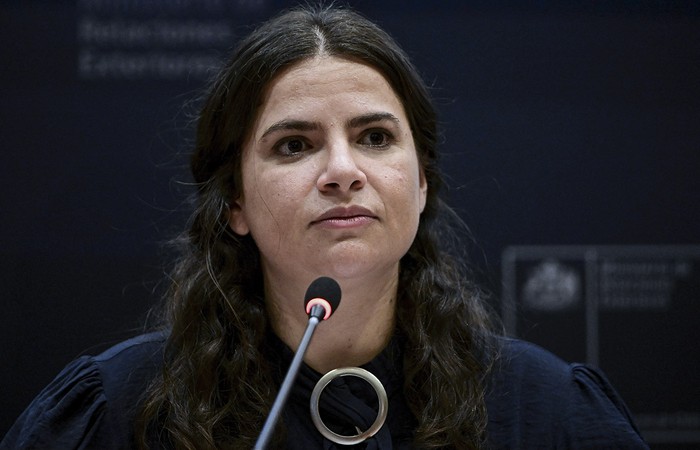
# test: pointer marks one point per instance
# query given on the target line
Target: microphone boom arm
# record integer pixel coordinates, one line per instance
(286, 388)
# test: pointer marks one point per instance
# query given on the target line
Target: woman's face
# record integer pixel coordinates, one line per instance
(331, 179)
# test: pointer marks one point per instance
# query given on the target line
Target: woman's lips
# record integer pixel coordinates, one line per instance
(345, 217)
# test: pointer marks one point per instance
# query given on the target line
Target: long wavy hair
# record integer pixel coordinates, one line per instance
(216, 385)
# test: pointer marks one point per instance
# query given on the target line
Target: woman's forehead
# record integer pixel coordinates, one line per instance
(327, 82)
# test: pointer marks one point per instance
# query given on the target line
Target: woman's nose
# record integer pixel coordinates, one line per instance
(342, 172)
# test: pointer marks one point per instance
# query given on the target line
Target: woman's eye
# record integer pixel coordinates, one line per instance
(291, 146)
(376, 138)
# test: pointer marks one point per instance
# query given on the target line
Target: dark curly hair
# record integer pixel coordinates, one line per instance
(216, 386)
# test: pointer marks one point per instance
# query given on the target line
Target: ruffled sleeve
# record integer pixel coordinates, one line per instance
(536, 400)
(92, 402)
(68, 414)
(596, 414)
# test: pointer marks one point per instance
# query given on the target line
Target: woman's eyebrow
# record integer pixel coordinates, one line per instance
(290, 124)
(369, 118)
(304, 125)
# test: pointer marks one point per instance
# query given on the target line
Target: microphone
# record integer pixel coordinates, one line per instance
(321, 300)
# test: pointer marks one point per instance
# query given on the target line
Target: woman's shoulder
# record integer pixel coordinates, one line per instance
(128, 368)
(130, 363)
(535, 395)
(92, 401)
(523, 362)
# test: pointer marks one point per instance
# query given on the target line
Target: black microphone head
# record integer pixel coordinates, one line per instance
(323, 288)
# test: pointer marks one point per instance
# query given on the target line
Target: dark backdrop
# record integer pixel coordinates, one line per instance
(564, 123)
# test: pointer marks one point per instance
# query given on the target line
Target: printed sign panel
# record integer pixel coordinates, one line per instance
(629, 310)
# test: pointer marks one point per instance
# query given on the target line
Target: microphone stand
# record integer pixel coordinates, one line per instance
(317, 312)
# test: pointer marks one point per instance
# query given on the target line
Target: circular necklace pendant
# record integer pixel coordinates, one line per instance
(361, 436)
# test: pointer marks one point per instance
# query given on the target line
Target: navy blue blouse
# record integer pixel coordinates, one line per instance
(535, 400)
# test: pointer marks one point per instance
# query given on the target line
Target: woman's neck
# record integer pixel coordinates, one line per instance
(357, 332)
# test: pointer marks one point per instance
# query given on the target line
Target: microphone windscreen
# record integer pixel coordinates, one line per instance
(325, 288)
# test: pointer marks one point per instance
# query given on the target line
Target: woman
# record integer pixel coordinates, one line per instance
(316, 155)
